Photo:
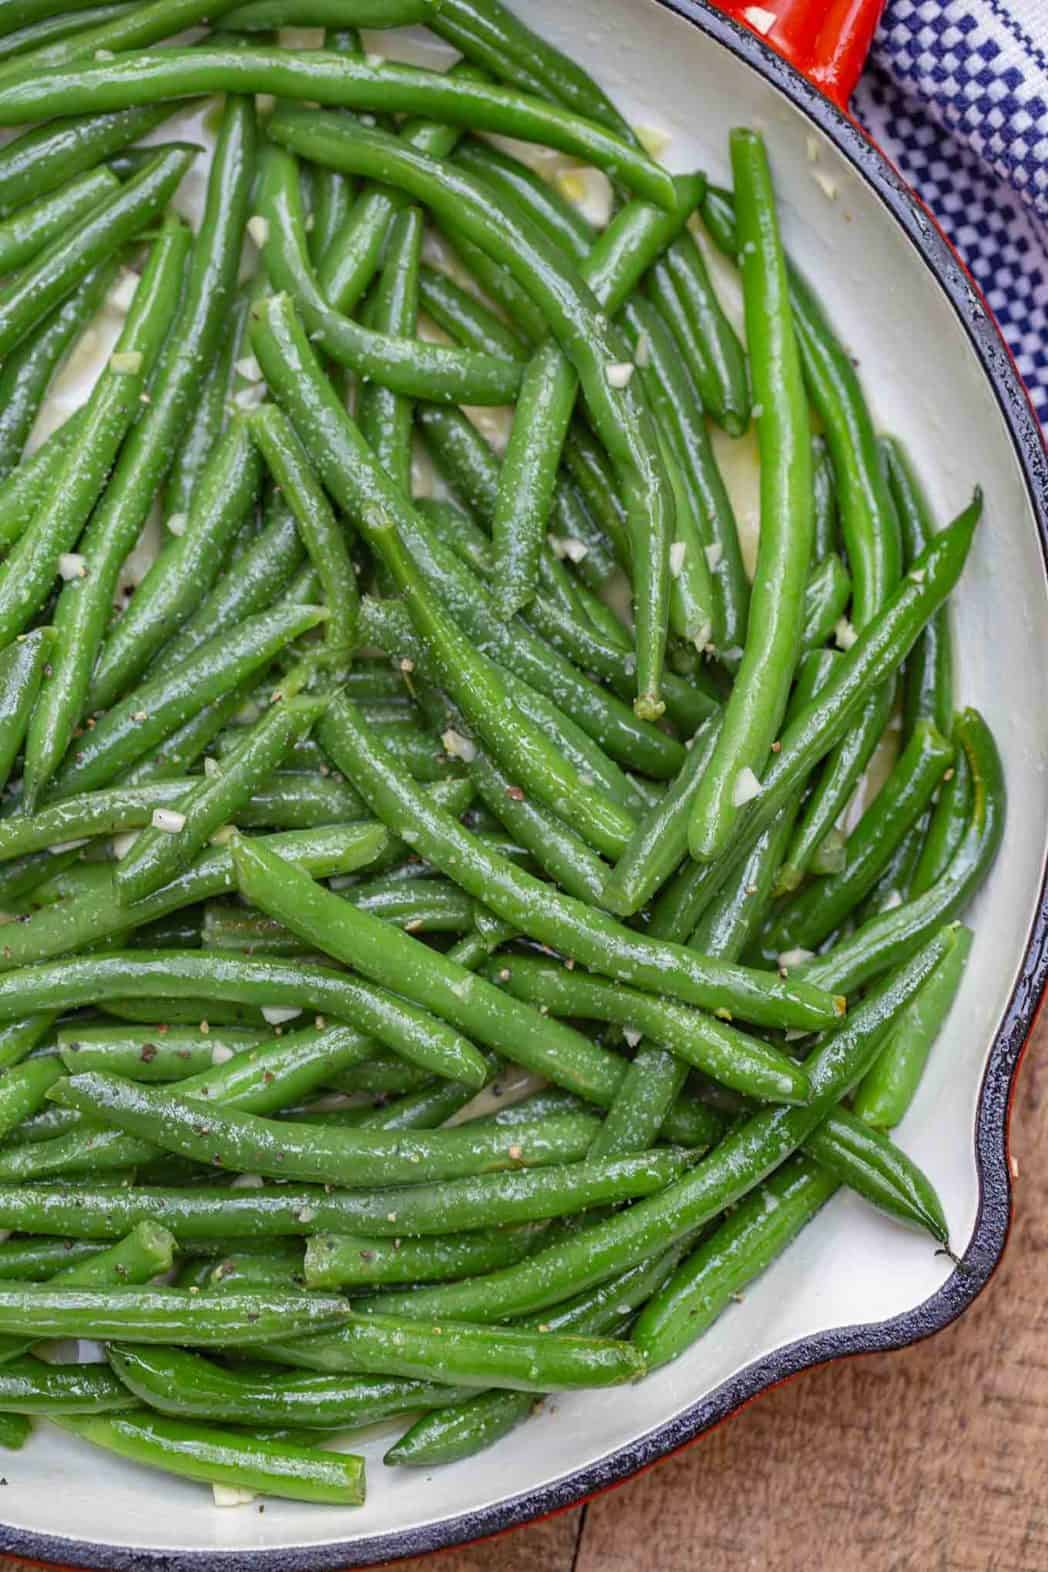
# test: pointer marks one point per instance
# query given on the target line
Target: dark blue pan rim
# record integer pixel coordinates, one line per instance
(991, 1132)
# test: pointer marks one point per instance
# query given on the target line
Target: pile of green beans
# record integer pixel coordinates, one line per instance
(430, 881)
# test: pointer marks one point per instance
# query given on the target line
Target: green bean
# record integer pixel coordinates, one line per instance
(33, 1260)
(660, 840)
(160, 1315)
(485, 31)
(741, 1247)
(715, 356)
(162, 852)
(649, 1089)
(889, 1087)
(50, 29)
(56, 270)
(887, 939)
(814, 914)
(625, 425)
(22, 666)
(948, 824)
(185, 569)
(151, 713)
(28, 369)
(386, 417)
(464, 317)
(173, 973)
(757, 704)
(262, 16)
(28, 573)
(332, 194)
(23, 1090)
(519, 1358)
(350, 474)
(249, 585)
(733, 918)
(928, 686)
(243, 1142)
(461, 1429)
(556, 848)
(323, 537)
(547, 915)
(819, 724)
(29, 1386)
(15, 1430)
(710, 1045)
(85, 604)
(44, 158)
(329, 78)
(480, 1201)
(826, 596)
(870, 531)
(405, 365)
(228, 1458)
(563, 222)
(174, 1381)
(355, 1260)
(21, 491)
(148, 1054)
(541, 420)
(744, 1157)
(701, 496)
(18, 1038)
(208, 420)
(824, 496)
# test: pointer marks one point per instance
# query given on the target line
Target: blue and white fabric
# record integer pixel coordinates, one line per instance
(956, 92)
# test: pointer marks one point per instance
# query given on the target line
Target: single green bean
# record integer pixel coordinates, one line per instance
(29, 1386)
(386, 418)
(826, 596)
(889, 1087)
(479, 1201)
(246, 1143)
(928, 686)
(755, 709)
(888, 939)
(227, 1457)
(28, 369)
(660, 840)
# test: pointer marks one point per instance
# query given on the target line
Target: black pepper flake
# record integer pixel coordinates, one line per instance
(149, 1053)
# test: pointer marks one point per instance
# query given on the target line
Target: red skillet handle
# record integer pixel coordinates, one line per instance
(827, 40)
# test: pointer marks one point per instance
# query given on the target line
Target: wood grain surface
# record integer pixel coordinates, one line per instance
(930, 1460)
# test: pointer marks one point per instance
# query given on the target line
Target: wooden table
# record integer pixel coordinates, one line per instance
(930, 1460)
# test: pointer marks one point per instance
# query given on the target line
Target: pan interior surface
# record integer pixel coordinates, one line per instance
(926, 383)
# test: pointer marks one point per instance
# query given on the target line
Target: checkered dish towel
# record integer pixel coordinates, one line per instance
(976, 70)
